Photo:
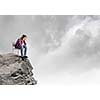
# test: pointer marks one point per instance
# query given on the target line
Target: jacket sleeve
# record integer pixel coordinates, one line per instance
(24, 42)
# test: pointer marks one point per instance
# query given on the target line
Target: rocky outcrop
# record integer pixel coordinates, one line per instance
(15, 71)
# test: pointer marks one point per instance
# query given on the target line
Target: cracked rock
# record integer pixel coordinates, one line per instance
(15, 71)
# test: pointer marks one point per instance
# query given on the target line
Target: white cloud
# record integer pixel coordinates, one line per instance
(78, 55)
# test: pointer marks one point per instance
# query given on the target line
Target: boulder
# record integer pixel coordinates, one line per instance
(15, 71)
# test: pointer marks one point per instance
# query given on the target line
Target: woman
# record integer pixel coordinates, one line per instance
(21, 44)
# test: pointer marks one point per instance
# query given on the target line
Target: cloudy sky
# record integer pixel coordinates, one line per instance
(62, 49)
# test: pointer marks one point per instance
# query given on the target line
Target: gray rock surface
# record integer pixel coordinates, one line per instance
(15, 71)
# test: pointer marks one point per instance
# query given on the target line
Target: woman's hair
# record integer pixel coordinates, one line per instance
(23, 36)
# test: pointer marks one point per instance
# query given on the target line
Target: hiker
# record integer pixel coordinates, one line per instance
(21, 44)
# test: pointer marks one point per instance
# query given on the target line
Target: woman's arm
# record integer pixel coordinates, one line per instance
(24, 42)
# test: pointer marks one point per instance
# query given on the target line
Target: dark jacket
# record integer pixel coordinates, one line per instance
(19, 43)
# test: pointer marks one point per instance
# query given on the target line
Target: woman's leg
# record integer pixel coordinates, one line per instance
(25, 50)
(21, 48)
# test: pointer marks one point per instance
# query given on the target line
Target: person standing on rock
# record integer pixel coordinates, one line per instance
(21, 44)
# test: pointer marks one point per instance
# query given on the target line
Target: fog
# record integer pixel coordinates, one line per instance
(63, 49)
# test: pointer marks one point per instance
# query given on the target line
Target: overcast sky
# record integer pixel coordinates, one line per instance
(63, 49)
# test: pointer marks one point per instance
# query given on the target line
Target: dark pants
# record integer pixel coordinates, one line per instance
(23, 49)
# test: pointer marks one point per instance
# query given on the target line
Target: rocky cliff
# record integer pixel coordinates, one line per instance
(15, 71)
